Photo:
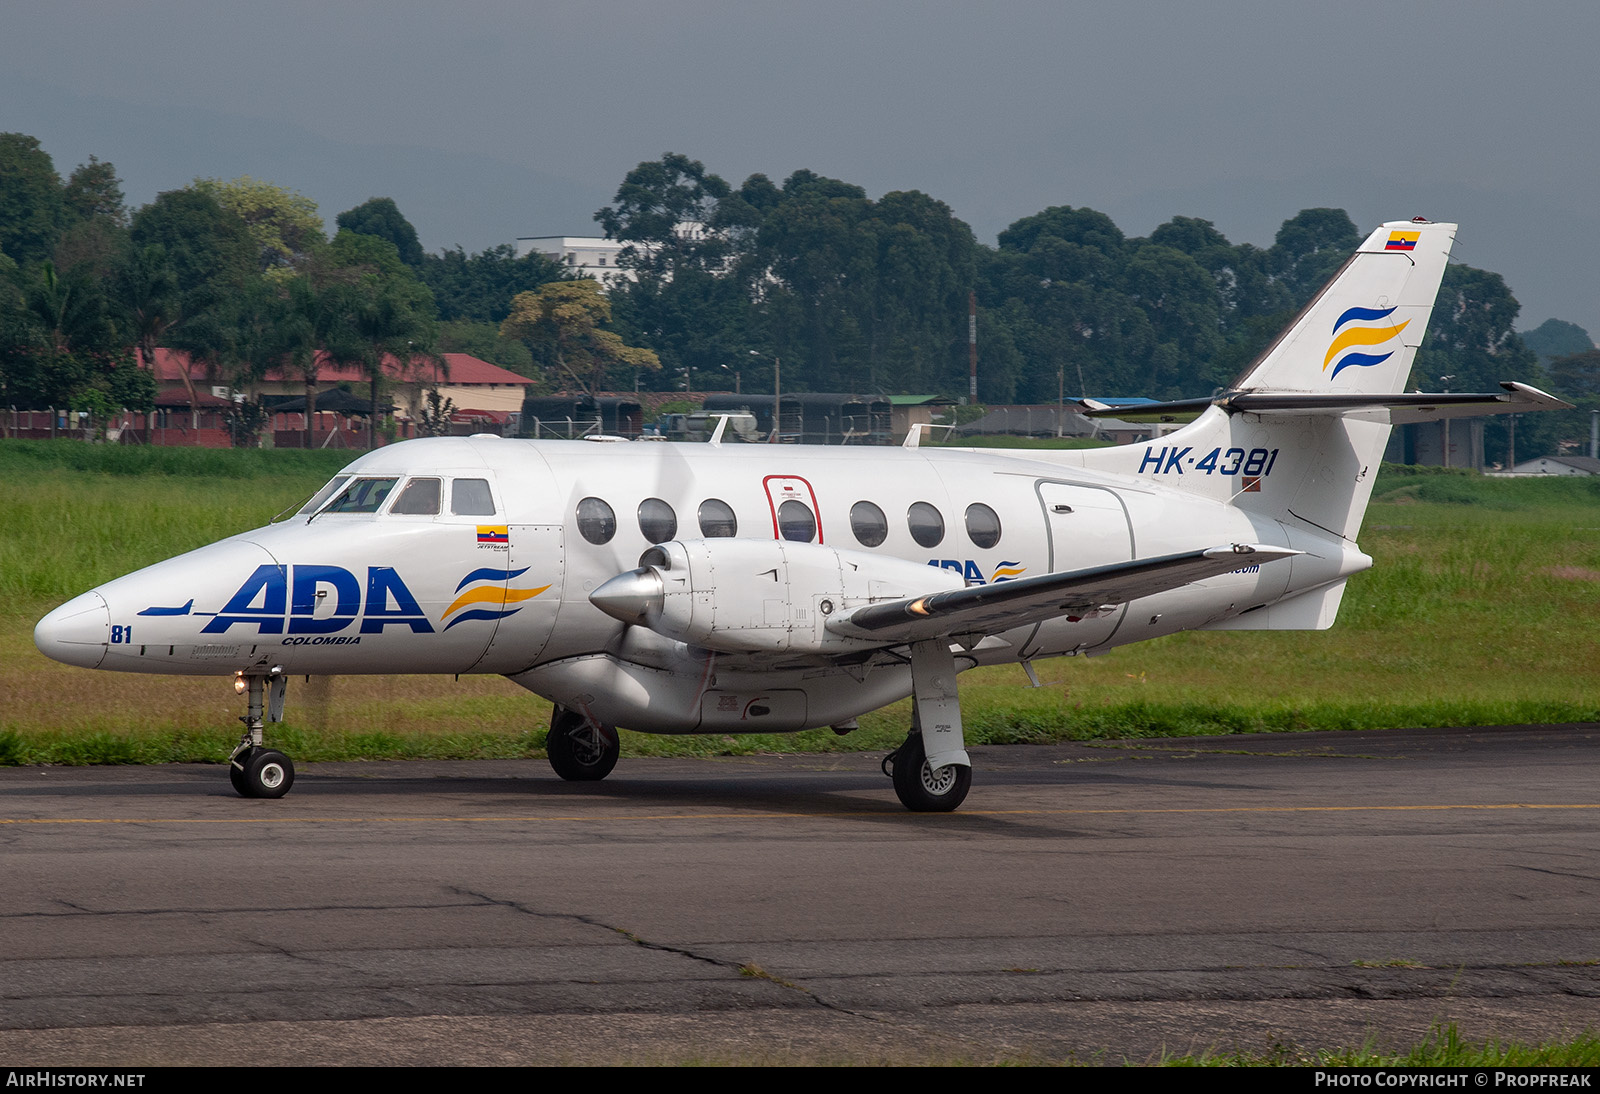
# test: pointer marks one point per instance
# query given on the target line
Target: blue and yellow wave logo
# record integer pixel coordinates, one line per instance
(490, 601)
(1351, 339)
(1007, 571)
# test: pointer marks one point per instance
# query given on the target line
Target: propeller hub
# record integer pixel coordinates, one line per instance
(634, 597)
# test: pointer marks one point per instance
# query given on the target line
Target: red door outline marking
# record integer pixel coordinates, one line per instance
(772, 505)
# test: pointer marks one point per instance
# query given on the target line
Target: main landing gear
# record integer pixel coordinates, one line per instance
(919, 787)
(256, 771)
(931, 770)
(580, 750)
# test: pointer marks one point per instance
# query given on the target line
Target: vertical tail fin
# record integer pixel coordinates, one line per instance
(1311, 468)
(1360, 334)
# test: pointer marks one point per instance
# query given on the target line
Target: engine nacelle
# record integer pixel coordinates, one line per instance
(753, 596)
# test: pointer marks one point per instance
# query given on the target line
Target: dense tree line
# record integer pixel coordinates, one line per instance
(871, 296)
(851, 293)
(240, 275)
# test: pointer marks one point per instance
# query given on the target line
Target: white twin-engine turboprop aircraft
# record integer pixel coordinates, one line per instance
(674, 588)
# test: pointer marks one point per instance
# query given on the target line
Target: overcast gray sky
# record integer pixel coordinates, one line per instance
(491, 120)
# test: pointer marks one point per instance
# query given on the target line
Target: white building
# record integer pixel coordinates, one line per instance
(583, 256)
(1558, 465)
(593, 256)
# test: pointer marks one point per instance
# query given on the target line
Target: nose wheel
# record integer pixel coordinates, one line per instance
(261, 773)
(254, 770)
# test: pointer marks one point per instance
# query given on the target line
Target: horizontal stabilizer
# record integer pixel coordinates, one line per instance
(1393, 409)
(988, 609)
(1179, 410)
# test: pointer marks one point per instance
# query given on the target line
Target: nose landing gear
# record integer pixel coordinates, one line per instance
(256, 771)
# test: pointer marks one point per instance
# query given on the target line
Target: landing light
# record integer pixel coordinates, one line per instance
(240, 685)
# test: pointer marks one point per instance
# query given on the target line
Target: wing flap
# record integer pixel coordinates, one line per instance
(989, 609)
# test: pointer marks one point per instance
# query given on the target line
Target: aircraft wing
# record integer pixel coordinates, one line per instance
(987, 609)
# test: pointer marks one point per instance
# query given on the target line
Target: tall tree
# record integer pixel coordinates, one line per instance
(1557, 338)
(284, 224)
(663, 210)
(1471, 346)
(375, 309)
(96, 223)
(479, 287)
(568, 320)
(381, 217)
(1310, 248)
(32, 207)
(205, 255)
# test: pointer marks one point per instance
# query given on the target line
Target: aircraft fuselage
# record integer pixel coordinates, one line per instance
(504, 588)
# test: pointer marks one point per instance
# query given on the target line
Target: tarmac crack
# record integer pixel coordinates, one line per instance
(1555, 873)
(82, 910)
(746, 970)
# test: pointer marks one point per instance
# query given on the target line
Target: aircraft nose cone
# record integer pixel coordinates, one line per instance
(77, 633)
(631, 597)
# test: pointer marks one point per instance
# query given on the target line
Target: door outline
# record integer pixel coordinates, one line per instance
(772, 503)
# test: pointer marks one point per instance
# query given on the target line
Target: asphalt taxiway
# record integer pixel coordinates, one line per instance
(1091, 902)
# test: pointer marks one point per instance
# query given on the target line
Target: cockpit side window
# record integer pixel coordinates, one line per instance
(362, 496)
(420, 498)
(471, 498)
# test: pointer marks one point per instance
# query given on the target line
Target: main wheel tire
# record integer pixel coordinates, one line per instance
(923, 790)
(267, 774)
(236, 768)
(580, 752)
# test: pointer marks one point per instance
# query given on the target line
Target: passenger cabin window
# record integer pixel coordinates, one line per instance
(420, 498)
(657, 521)
(717, 520)
(362, 496)
(983, 525)
(596, 522)
(927, 526)
(796, 522)
(471, 498)
(869, 524)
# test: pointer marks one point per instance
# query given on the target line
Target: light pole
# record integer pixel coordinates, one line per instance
(777, 404)
(1445, 380)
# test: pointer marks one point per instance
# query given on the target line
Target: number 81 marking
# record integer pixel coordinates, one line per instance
(1258, 462)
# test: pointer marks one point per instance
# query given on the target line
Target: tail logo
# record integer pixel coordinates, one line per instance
(1402, 241)
(1356, 331)
(495, 599)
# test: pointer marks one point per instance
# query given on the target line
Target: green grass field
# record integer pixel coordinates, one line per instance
(1480, 610)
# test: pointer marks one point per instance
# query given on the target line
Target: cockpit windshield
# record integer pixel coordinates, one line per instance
(359, 496)
(320, 498)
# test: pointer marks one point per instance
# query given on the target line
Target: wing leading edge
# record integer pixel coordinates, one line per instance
(987, 609)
